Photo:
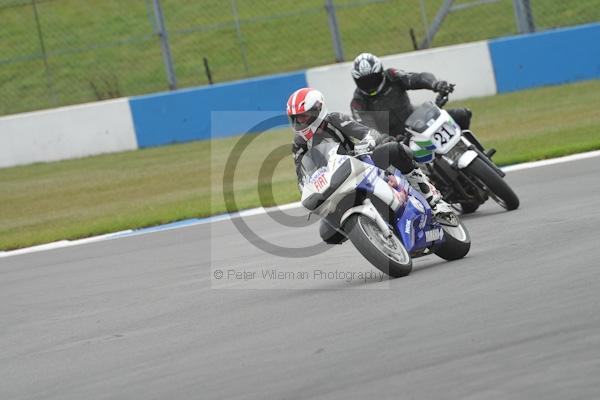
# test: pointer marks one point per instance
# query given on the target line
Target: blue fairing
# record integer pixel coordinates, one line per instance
(366, 159)
(412, 223)
(413, 219)
(367, 183)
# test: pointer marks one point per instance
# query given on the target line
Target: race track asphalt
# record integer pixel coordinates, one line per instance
(144, 317)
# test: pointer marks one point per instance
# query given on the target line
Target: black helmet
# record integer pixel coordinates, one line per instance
(367, 72)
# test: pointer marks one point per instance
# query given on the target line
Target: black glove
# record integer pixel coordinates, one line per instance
(388, 139)
(443, 88)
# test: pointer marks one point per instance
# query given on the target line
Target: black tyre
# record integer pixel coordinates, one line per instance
(387, 254)
(457, 243)
(497, 188)
(469, 207)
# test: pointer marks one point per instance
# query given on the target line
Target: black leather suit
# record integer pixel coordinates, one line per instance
(388, 110)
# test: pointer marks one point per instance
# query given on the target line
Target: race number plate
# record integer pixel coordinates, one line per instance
(446, 137)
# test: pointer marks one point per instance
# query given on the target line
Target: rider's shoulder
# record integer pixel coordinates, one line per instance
(394, 74)
(359, 102)
(337, 118)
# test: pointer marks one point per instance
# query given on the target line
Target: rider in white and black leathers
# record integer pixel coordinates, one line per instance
(336, 126)
(380, 100)
(312, 123)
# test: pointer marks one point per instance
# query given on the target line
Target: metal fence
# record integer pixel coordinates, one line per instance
(58, 52)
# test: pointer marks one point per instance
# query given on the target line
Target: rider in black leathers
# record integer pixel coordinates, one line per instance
(312, 123)
(380, 100)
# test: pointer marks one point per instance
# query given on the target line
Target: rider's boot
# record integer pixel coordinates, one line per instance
(421, 182)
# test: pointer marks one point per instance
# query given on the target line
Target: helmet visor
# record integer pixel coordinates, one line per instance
(370, 84)
(302, 121)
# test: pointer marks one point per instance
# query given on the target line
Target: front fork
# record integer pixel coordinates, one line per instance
(472, 144)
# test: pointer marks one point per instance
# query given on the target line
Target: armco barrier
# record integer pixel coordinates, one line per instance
(185, 115)
(67, 132)
(547, 58)
(468, 66)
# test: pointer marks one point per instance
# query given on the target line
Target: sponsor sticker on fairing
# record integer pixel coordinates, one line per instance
(407, 226)
(319, 179)
(321, 182)
(434, 234)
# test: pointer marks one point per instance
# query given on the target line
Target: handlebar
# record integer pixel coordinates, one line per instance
(442, 98)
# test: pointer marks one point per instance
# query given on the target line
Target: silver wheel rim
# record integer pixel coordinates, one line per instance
(457, 232)
(391, 247)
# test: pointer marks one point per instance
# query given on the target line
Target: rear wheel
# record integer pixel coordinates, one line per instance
(457, 242)
(497, 188)
(386, 254)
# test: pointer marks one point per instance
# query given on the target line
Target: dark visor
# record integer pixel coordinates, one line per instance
(369, 83)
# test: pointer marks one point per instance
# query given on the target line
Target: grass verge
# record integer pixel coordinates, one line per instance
(79, 198)
(114, 51)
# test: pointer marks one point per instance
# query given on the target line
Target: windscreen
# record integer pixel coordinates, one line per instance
(317, 157)
(420, 119)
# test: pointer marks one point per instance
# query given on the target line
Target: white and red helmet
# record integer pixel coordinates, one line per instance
(306, 111)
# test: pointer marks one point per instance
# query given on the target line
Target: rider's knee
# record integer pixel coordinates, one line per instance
(395, 154)
(464, 119)
(462, 116)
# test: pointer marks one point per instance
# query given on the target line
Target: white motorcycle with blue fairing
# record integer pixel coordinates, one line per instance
(388, 221)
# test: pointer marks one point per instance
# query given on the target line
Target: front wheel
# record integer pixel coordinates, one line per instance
(469, 207)
(386, 254)
(497, 188)
(457, 242)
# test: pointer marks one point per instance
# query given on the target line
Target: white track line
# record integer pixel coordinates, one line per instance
(250, 212)
(552, 161)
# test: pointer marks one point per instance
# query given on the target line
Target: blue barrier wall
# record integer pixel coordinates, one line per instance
(185, 115)
(548, 58)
